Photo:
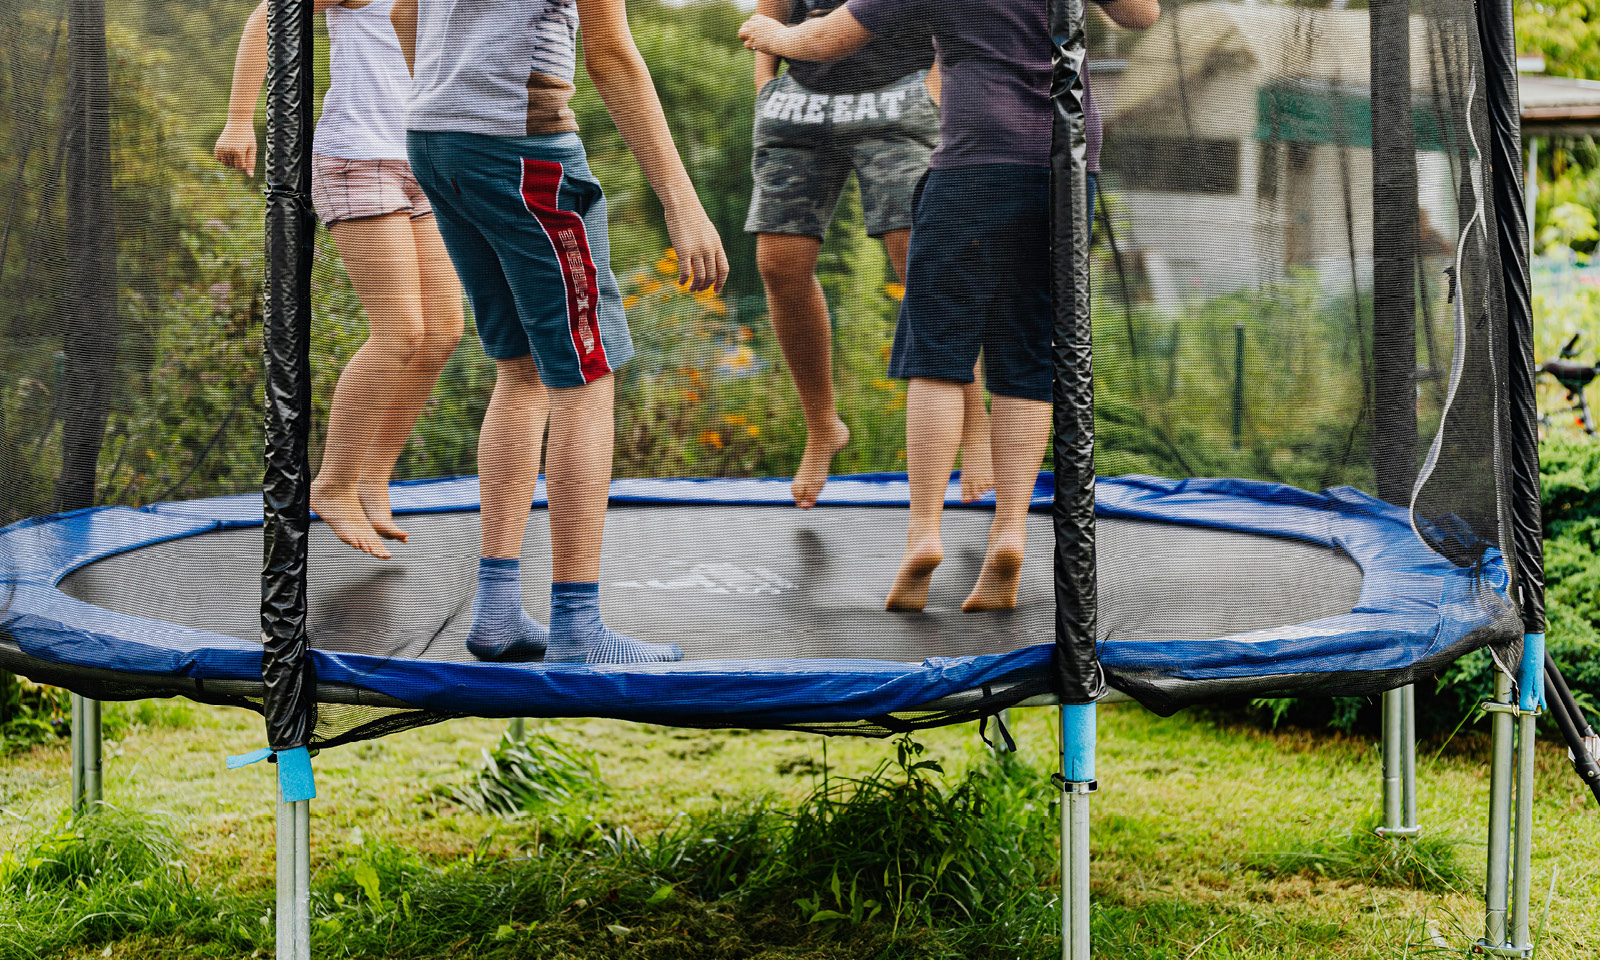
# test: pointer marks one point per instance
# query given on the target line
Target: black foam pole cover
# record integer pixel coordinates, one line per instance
(1078, 674)
(286, 346)
(1497, 37)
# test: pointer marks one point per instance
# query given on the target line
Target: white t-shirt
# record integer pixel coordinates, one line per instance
(498, 67)
(363, 112)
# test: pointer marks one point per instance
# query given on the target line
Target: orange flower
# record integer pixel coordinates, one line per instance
(668, 264)
(629, 302)
(735, 419)
(712, 439)
(896, 291)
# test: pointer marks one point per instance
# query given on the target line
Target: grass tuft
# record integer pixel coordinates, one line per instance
(530, 776)
(108, 876)
(1422, 862)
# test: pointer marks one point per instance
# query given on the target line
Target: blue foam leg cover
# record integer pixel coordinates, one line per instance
(1530, 673)
(1077, 742)
(295, 781)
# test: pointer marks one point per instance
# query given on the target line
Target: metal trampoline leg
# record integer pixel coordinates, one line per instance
(1500, 774)
(1399, 763)
(284, 909)
(1077, 782)
(1522, 852)
(293, 928)
(86, 780)
(1408, 768)
(302, 880)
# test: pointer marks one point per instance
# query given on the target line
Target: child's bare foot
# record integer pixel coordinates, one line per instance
(999, 579)
(375, 504)
(340, 508)
(977, 471)
(910, 590)
(813, 473)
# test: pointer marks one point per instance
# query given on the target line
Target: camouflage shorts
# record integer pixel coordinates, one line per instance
(807, 144)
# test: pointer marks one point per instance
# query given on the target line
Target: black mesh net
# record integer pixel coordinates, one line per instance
(1295, 285)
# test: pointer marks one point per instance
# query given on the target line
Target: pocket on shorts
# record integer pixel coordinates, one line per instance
(580, 191)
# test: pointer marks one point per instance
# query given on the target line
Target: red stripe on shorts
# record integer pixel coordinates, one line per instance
(541, 185)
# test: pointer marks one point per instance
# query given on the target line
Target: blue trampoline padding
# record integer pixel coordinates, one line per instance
(1412, 602)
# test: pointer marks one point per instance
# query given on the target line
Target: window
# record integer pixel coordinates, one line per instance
(1175, 164)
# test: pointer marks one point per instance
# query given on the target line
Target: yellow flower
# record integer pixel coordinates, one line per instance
(668, 264)
(738, 360)
(629, 302)
(735, 419)
(649, 286)
(753, 430)
(896, 291)
(712, 439)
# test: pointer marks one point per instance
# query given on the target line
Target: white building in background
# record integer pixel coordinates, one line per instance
(1238, 146)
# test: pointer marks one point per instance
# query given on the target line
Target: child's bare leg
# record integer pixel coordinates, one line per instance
(788, 265)
(977, 468)
(933, 433)
(578, 480)
(440, 303)
(379, 255)
(1020, 430)
(977, 462)
(508, 475)
(508, 455)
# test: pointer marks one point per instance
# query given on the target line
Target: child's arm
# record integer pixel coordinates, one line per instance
(818, 39)
(766, 63)
(237, 145)
(623, 81)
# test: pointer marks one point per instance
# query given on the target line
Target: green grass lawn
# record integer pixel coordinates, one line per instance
(1209, 841)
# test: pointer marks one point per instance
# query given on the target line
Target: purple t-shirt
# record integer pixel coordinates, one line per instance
(994, 60)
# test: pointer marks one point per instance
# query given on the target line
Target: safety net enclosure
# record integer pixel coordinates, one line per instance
(1288, 347)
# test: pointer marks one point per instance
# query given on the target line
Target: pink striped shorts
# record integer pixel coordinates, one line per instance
(352, 189)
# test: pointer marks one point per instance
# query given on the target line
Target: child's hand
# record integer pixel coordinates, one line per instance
(237, 148)
(702, 264)
(760, 33)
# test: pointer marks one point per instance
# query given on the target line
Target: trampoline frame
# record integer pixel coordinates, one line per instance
(1388, 632)
(1080, 681)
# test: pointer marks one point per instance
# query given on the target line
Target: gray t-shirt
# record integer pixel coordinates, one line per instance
(994, 60)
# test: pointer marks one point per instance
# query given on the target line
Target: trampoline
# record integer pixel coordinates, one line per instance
(1212, 587)
(1285, 186)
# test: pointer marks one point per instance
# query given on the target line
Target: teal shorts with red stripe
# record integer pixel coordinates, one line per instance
(525, 223)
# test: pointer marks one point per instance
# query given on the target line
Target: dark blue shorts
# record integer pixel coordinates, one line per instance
(525, 223)
(978, 279)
